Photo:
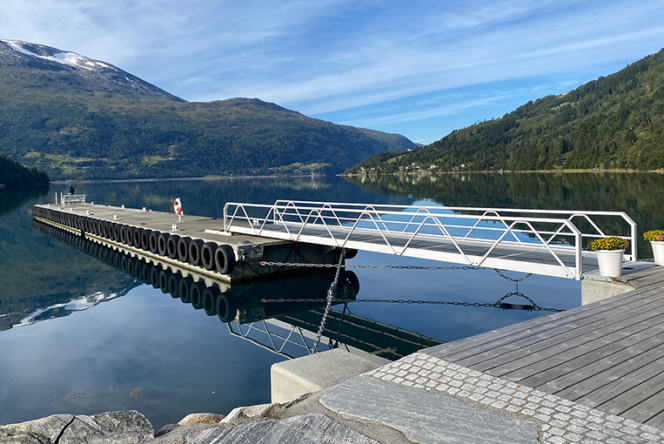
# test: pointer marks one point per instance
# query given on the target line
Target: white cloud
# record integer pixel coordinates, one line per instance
(330, 55)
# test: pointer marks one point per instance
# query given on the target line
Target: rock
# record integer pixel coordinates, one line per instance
(253, 411)
(304, 429)
(165, 429)
(201, 418)
(425, 417)
(44, 430)
(125, 427)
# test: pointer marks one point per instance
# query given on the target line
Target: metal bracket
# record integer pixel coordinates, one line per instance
(247, 251)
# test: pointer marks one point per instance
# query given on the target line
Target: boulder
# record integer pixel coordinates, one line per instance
(201, 418)
(44, 430)
(126, 427)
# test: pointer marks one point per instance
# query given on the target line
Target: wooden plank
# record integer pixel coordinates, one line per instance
(646, 281)
(656, 421)
(576, 331)
(600, 379)
(577, 383)
(630, 390)
(504, 335)
(648, 410)
(564, 347)
(560, 369)
(515, 341)
(649, 271)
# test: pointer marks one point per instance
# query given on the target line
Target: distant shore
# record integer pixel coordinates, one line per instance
(164, 179)
(414, 172)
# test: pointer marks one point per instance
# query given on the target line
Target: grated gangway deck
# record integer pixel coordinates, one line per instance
(545, 242)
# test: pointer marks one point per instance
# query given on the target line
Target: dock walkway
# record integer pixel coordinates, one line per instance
(608, 355)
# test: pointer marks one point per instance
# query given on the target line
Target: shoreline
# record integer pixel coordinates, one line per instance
(440, 173)
(166, 179)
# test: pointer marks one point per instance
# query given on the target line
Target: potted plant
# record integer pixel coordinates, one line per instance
(656, 238)
(610, 252)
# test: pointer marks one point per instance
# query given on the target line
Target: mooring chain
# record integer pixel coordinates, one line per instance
(331, 293)
(523, 278)
(394, 267)
(498, 304)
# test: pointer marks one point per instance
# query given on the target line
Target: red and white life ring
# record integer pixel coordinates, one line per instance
(177, 206)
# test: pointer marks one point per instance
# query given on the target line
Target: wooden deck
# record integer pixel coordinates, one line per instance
(608, 355)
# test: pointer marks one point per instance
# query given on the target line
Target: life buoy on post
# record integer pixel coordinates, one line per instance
(177, 206)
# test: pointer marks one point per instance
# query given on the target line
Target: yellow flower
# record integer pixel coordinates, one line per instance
(609, 243)
(654, 235)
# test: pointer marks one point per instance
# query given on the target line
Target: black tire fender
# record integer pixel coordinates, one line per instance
(195, 252)
(224, 258)
(162, 245)
(183, 248)
(208, 255)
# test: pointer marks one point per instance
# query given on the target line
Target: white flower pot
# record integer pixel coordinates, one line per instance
(610, 262)
(658, 252)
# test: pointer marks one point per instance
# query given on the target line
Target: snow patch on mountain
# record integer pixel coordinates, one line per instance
(65, 57)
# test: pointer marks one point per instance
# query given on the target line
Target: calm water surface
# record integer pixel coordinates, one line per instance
(78, 335)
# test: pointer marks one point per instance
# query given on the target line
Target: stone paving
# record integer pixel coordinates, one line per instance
(561, 421)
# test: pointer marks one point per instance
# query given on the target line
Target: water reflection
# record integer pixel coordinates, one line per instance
(13, 197)
(281, 315)
(637, 194)
(293, 306)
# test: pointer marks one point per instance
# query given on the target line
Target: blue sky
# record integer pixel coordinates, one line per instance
(418, 68)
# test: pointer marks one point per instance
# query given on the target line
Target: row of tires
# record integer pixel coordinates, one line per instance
(210, 299)
(196, 252)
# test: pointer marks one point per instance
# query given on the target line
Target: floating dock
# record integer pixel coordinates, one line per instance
(193, 242)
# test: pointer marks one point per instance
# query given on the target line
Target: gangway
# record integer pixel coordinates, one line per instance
(544, 242)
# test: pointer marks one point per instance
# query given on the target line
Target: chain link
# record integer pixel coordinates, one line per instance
(498, 304)
(331, 293)
(393, 267)
(523, 278)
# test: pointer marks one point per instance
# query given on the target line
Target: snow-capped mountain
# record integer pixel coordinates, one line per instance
(55, 67)
(78, 118)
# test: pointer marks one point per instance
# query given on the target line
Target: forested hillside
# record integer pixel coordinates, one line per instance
(12, 173)
(614, 122)
(79, 118)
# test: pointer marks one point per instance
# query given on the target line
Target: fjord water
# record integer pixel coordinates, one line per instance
(80, 336)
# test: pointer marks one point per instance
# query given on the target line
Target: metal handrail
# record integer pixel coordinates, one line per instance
(72, 198)
(295, 216)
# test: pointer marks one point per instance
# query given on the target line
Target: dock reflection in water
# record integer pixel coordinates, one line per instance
(281, 315)
(270, 313)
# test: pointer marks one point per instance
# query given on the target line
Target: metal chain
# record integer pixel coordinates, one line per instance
(331, 293)
(498, 304)
(500, 273)
(394, 267)
(335, 300)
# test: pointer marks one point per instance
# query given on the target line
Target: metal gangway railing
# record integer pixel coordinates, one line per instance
(546, 242)
(71, 198)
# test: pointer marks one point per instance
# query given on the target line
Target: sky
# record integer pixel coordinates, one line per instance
(417, 68)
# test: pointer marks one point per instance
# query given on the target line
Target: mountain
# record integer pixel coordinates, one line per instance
(79, 118)
(14, 174)
(46, 71)
(614, 122)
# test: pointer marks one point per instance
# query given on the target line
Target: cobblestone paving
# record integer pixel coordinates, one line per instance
(561, 421)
